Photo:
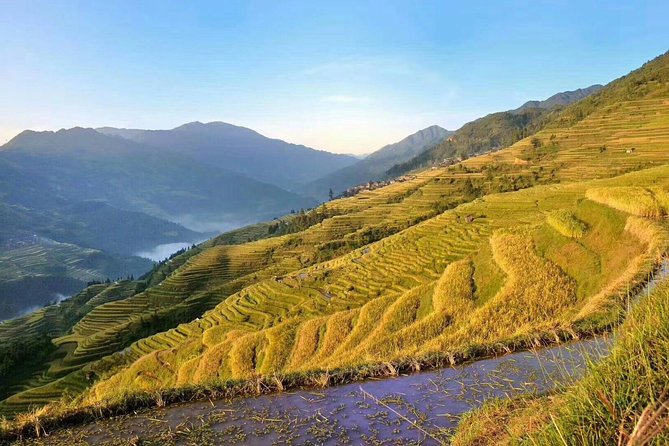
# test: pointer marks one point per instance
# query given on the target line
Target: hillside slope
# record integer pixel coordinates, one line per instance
(620, 400)
(77, 197)
(465, 280)
(241, 150)
(374, 166)
(41, 271)
(449, 264)
(561, 99)
(494, 131)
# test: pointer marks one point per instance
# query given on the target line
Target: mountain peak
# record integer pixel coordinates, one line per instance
(30, 138)
(74, 141)
(240, 149)
(413, 144)
(190, 125)
(215, 128)
(561, 98)
(374, 166)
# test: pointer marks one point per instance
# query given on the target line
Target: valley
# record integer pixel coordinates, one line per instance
(504, 283)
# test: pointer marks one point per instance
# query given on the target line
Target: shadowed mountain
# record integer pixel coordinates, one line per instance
(77, 205)
(241, 150)
(374, 166)
(82, 165)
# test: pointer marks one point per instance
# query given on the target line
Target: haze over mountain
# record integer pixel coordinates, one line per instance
(82, 198)
(375, 165)
(241, 150)
(83, 164)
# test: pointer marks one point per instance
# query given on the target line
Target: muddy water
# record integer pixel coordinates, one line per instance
(413, 409)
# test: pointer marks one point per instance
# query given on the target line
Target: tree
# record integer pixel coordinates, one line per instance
(331, 194)
(536, 142)
(468, 189)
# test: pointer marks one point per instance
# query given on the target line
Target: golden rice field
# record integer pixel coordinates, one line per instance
(622, 137)
(417, 267)
(198, 283)
(620, 400)
(439, 286)
(272, 315)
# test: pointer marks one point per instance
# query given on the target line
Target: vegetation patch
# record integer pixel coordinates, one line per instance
(566, 223)
(635, 200)
(622, 400)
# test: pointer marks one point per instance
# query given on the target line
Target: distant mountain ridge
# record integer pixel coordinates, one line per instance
(108, 198)
(562, 98)
(494, 131)
(241, 150)
(374, 166)
(135, 176)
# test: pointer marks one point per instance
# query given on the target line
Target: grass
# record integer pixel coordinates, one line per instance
(622, 400)
(612, 404)
(500, 421)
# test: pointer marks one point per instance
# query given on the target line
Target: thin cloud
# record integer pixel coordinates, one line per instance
(339, 67)
(344, 99)
(373, 67)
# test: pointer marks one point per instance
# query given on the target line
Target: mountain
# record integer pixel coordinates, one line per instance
(37, 271)
(562, 98)
(95, 201)
(241, 150)
(494, 131)
(535, 243)
(374, 166)
(84, 165)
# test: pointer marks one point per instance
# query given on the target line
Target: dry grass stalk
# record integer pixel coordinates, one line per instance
(653, 421)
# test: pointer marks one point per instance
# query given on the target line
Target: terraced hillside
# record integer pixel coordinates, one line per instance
(42, 270)
(494, 270)
(452, 262)
(200, 278)
(621, 128)
(29, 357)
(493, 132)
(621, 400)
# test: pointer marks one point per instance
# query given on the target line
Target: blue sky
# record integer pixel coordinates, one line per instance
(345, 76)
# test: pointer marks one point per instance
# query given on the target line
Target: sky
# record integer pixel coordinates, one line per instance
(343, 76)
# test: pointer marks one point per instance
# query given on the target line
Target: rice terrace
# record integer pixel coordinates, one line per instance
(503, 283)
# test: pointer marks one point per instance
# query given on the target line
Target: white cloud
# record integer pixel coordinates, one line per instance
(344, 99)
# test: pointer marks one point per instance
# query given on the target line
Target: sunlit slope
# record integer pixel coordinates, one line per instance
(623, 137)
(623, 127)
(211, 276)
(358, 279)
(490, 271)
(197, 280)
(36, 358)
(618, 401)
